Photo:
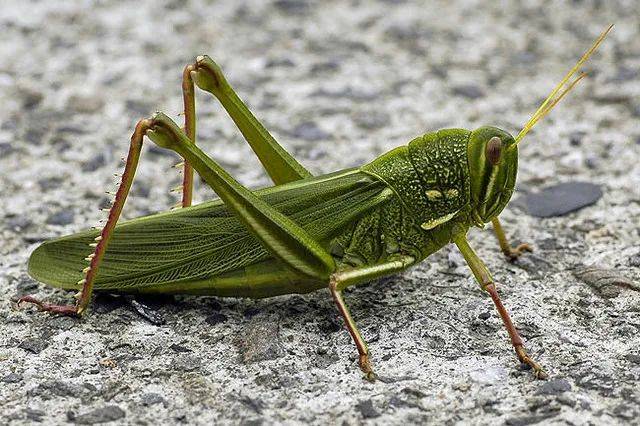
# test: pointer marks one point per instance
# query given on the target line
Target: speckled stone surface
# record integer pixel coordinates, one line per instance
(338, 83)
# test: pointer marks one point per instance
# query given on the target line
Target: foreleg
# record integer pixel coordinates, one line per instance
(485, 280)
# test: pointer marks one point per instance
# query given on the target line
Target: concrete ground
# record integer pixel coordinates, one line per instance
(338, 83)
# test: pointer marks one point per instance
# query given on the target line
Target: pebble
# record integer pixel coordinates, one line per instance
(367, 409)
(554, 387)
(489, 375)
(34, 345)
(184, 362)
(151, 398)
(260, 342)
(561, 199)
(146, 312)
(6, 149)
(63, 217)
(31, 98)
(216, 318)
(309, 131)
(484, 316)
(97, 162)
(608, 283)
(371, 119)
(12, 378)
(468, 91)
(85, 103)
(34, 415)
(106, 414)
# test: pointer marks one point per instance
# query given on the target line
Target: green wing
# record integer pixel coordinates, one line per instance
(205, 240)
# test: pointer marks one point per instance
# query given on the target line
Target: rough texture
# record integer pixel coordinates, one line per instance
(338, 83)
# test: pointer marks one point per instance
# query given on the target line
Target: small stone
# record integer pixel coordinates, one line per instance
(485, 316)
(25, 286)
(468, 91)
(488, 375)
(371, 120)
(186, 363)
(462, 386)
(216, 318)
(561, 199)
(608, 283)
(34, 415)
(151, 398)
(634, 260)
(47, 184)
(18, 223)
(293, 7)
(279, 62)
(330, 65)
(31, 98)
(367, 410)
(566, 400)
(633, 358)
(12, 378)
(138, 108)
(176, 347)
(64, 217)
(95, 163)
(106, 414)
(575, 138)
(330, 324)
(309, 131)
(625, 411)
(251, 312)
(253, 404)
(84, 103)
(6, 149)
(147, 312)
(554, 387)
(261, 341)
(34, 345)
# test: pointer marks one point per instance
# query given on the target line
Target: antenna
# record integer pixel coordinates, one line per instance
(557, 93)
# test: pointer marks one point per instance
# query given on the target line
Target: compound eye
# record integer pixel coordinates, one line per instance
(494, 150)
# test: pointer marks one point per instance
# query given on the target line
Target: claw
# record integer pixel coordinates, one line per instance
(65, 310)
(365, 366)
(515, 253)
(525, 359)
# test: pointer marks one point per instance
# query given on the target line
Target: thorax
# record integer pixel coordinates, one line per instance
(430, 179)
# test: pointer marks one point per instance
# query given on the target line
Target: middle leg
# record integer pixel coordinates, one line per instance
(343, 279)
(507, 249)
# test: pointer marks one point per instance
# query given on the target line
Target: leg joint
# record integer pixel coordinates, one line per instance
(208, 75)
(333, 283)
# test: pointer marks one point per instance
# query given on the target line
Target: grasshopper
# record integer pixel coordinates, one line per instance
(306, 232)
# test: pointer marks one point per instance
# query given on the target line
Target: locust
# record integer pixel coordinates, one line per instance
(304, 233)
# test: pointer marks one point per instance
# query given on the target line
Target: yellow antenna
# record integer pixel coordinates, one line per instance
(556, 94)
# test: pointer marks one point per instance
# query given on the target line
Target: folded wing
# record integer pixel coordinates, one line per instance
(205, 240)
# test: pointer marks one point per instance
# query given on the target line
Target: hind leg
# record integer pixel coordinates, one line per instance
(279, 164)
(101, 241)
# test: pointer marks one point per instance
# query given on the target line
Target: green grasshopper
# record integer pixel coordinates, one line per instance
(306, 232)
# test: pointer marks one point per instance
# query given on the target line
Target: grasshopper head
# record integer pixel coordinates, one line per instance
(493, 165)
(493, 153)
